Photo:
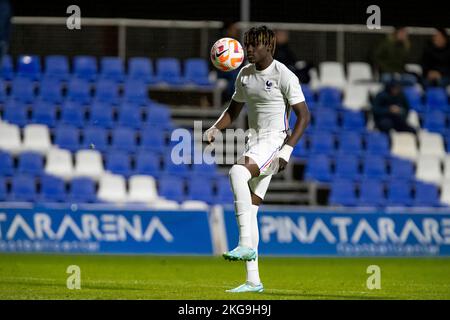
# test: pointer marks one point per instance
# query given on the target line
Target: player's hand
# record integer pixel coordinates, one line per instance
(210, 134)
(283, 157)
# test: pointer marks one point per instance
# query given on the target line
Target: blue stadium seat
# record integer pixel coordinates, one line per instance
(175, 169)
(50, 90)
(435, 121)
(140, 68)
(23, 188)
(118, 162)
(342, 192)
(169, 70)
(106, 91)
(399, 193)
(318, 168)
(130, 117)
(135, 91)
(401, 169)
(196, 71)
(301, 148)
(322, 142)
(85, 67)
(112, 68)
(377, 143)
(57, 67)
(67, 137)
(72, 113)
(414, 98)
(3, 190)
(147, 163)
(124, 139)
(101, 115)
(349, 142)
(200, 189)
(153, 140)
(347, 167)
(7, 68)
(53, 189)
(159, 117)
(325, 120)
(2, 91)
(79, 91)
(371, 193)
(374, 167)
(44, 113)
(309, 95)
(330, 98)
(171, 188)
(426, 195)
(15, 112)
(23, 90)
(353, 121)
(224, 194)
(82, 190)
(31, 163)
(29, 66)
(204, 170)
(6, 164)
(436, 99)
(95, 137)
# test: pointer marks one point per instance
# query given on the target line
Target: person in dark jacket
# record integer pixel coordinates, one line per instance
(5, 26)
(436, 60)
(390, 109)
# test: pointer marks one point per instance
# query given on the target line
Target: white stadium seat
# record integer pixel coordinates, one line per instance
(413, 119)
(164, 204)
(445, 192)
(36, 137)
(112, 188)
(332, 74)
(429, 169)
(10, 138)
(142, 189)
(404, 145)
(414, 68)
(359, 71)
(59, 163)
(431, 144)
(194, 205)
(356, 97)
(89, 163)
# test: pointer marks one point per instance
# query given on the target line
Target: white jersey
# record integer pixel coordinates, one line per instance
(269, 93)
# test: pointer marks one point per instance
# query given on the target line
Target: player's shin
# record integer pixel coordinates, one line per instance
(252, 266)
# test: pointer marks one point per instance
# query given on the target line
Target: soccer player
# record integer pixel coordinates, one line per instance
(270, 91)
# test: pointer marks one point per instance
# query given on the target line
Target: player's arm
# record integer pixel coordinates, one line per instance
(225, 120)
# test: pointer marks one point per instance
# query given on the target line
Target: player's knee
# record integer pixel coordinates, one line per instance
(239, 172)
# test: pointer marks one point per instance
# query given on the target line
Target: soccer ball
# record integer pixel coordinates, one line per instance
(227, 54)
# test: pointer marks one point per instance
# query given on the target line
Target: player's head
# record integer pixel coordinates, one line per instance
(259, 42)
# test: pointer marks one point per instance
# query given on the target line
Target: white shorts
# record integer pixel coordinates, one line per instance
(262, 150)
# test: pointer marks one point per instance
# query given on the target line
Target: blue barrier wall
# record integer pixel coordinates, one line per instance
(348, 233)
(104, 231)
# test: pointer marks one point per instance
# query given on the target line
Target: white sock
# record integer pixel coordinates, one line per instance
(252, 266)
(239, 177)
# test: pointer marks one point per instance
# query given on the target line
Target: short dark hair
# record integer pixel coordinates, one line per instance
(258, 35)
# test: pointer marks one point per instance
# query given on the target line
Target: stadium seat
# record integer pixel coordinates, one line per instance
(322, 143)
(124, 139)
(6, 164)
(50, 90)
(444, 198)
(399, 193)
(44, 113)
(404, 145)
(301, 149)
(3, 190)
(168, 70)
(204, 169)
(171, 188)
(22, 89)
(332, 74)
(2, 91)
(342, 192)
(82, 190)
(359, 72)
(201, 189)
(112, 188)
(309, 96)
(57, 67)
(431, 144)
(377, 143)
(53, 189)
(29, 66)
(426, 195)
(414, 97)
(67, 137)
(401, 169)
(142, 189)
(7, 68)
(135, 91)
(374, 167)
(175, 169)
(350, 142)
(330, 98)
(446, 173)
(15, 112)
(31, 163)
(106, 91)
(10, 138)
(85, 67)
(153, 140)
(436, 99)
(118, 162)
(79, 91)
(325, 120)
(140, 68)
(130, 117)
(88, 163)
(59, 163)
(23, 188)
(354, 121)
(36, 137)
(147, 163)
(72, 113)
(101, 115)
(356, 97)
(159, 117)
(347, 167)
(413, 119)
(196, 71)
(318, 168)
(435, 121)
(224, 195)
(371, 193)
(429, 169)
(95, 137)
(112, 68)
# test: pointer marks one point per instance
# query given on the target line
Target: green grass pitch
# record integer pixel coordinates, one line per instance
(32, 276)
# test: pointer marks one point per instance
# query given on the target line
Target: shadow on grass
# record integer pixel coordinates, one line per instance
(327, 296)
